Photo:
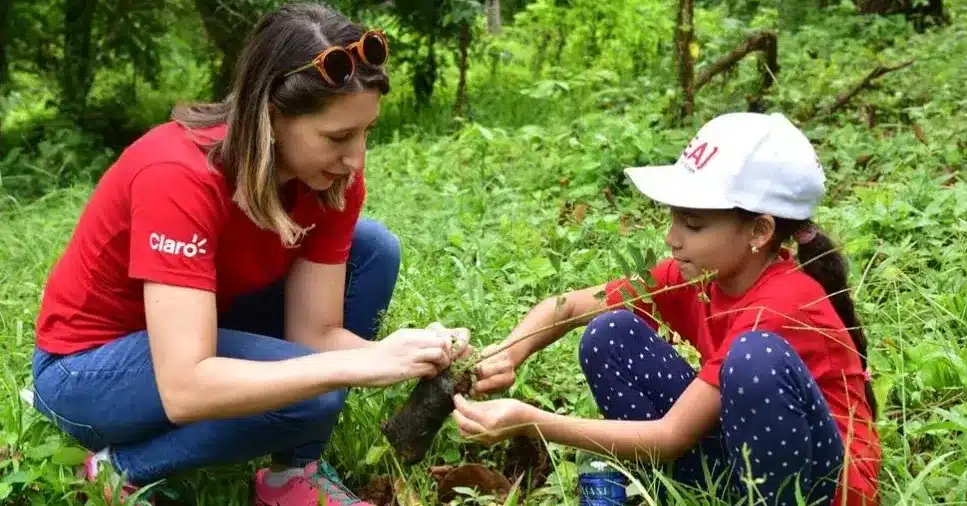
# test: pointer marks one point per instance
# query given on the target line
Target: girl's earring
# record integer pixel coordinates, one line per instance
(755, 249)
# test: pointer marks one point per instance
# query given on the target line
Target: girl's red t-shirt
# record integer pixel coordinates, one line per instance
(160, 213)
(788, 302)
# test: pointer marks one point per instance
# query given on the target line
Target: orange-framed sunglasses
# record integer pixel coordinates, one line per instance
(336, 64)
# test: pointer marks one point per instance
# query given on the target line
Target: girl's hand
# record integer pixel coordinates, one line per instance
(490, 422)
(495, 374)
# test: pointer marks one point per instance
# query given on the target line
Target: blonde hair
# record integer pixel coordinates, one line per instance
(280, 41)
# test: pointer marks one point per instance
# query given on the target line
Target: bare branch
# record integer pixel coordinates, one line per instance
(863, 84)
(762, 41)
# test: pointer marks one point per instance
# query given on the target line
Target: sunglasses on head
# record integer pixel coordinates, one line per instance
(336, 64)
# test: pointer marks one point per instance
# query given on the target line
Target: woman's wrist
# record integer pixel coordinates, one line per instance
(344, 368)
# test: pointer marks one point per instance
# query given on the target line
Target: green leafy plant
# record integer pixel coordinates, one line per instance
(525, 198)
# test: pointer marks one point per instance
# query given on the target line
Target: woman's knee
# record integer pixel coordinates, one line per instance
(373, 243)
(315, 411)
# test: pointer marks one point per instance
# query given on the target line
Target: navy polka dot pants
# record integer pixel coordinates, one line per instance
(775, 425)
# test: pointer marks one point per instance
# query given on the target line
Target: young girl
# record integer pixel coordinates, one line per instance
(220, 292)
(782, 372)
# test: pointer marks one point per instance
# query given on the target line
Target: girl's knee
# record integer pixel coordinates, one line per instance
(758, 347)
(752, 362)
(612, 328)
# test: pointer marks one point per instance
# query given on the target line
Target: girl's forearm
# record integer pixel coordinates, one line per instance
(693, 415)
(649, 440)
(546, 315)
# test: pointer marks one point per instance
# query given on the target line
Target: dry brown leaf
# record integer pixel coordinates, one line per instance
(473, 476)
(863, 160)
(405, 495)
(440, 472)
(918, 132)
(608, 194)
(950, 169)
(624, 225)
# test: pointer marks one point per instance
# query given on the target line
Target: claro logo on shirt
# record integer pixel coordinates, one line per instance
(159, 242)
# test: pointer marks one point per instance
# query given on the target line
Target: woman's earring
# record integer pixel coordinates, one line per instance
(755, 249)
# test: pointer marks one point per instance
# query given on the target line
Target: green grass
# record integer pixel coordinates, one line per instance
(478, 207)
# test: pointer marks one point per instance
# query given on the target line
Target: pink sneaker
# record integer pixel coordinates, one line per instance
(90, 471)
(317, 483)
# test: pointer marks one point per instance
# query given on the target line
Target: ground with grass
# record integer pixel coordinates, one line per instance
(528, 201)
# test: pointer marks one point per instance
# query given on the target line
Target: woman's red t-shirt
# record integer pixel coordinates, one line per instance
(788, 302)
(160, 213)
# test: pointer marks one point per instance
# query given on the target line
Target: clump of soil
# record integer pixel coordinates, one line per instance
(411, 430)
(529, 457)
(379, 491)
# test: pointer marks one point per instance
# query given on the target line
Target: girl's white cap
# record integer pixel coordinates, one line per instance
(757, 162)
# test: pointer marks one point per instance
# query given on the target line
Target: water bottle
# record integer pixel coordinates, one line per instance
(600, 484)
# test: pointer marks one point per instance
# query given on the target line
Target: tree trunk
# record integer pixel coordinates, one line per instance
(537, 63)
(227, 30)
(793, 13)
(6, 11)
(77, 67)
(912, 9)
(684, 32)
(921, 15)
(425, 75)
(878, 6)
(461, 103)
(493, 17)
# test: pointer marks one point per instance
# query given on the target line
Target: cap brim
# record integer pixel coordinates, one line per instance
(669, 185)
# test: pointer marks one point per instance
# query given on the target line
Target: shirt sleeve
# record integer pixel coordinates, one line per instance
(329, 242)
(622, 289)
(176, 215)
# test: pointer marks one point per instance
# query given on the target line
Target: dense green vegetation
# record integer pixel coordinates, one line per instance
(521, 194)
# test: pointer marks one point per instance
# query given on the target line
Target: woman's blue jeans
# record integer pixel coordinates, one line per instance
(108, 396)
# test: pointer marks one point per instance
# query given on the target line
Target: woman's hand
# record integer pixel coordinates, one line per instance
(405, 354)
(490, 422)
(460, 338)
(494, 374)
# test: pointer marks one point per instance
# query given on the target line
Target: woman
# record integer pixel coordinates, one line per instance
(220, 293)
(783, 364)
